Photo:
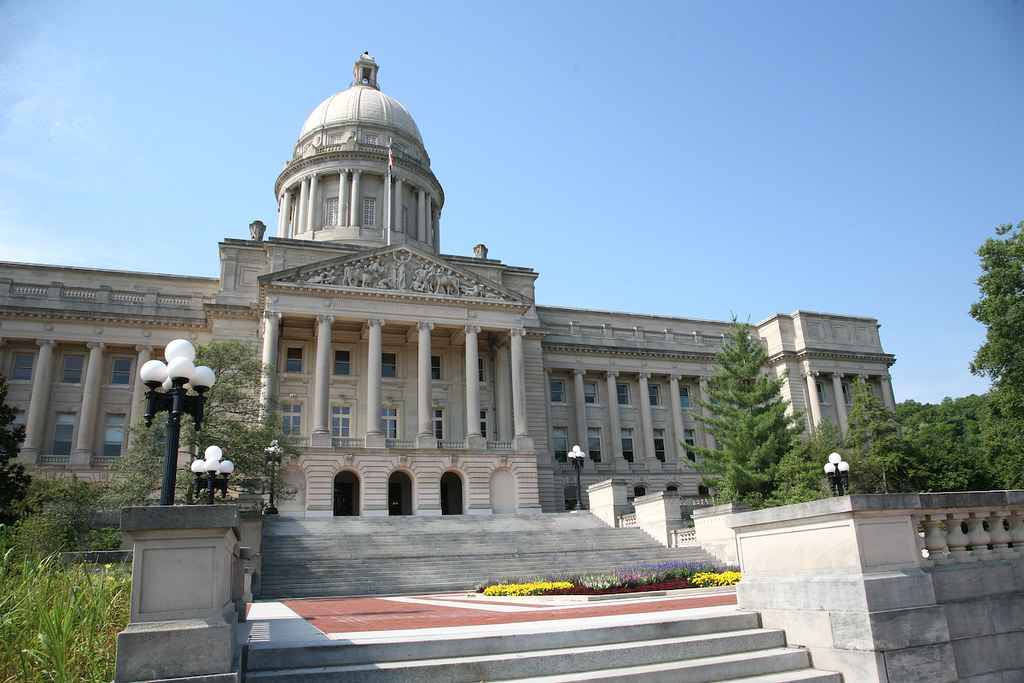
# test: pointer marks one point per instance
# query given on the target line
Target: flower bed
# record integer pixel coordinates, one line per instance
(667, 576)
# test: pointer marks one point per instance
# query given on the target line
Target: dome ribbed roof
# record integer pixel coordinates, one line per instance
(362, 104)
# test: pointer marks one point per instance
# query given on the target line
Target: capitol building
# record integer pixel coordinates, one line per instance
(414, 382)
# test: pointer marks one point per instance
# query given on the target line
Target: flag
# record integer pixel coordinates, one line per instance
(391, 162)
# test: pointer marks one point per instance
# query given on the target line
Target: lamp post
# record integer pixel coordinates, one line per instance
(837, 470)
(576, 457)
(176, 376)
(274, 452)
(206, 472)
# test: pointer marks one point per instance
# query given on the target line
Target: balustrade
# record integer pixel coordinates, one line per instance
(963, 535)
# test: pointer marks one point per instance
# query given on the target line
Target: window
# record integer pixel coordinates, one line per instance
(121, 371)
(73, 369)
(560, 442)
(405, 219)
(654, 392)
(291, 419)
(341, 420)
(557, 391)
(293, 359)
(623, 392)
(388, 365)
(437, 417)
(590, 392)
(684, 397)
(569, 494)
(389, 422)
(594, 443)
(21, 365)
(659, 444)
(689, 437)
(63, 433)
(113, 438)
(435, 367)
(370, 139)
(627, 445)
(846, 393)
(332, 212)
(483, 423)
(369, 210)
(703, 491)
(480, 369)
(821, 392)
(342, 362)
(671, 488)
(639, 491)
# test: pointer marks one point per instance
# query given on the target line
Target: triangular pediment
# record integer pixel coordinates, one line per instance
(396, 270)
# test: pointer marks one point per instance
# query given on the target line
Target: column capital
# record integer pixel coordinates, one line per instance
(704, 379)
(838, 375)
(424, 326)
(325, 319)
(475, 329)
(45, 342)
(148, 348)
(863, 377)
(645, 375)
(95, 345)
(675, 376)
(611, 374)
(579, 371)
(272, 315)
(517, 331)
(375, 322)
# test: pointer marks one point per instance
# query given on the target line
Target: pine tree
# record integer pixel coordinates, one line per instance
(13, 479)
(748, 418)
(881, 461)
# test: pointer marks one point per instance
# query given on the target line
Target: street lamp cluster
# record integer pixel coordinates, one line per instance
(576, 457)
(838, 472)
(206, 472)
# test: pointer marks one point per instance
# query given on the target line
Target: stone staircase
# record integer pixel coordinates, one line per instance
(723, 647)
(343, 556)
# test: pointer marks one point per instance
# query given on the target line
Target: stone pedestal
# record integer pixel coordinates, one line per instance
(608, 500)
(658, 515)
(187, 587)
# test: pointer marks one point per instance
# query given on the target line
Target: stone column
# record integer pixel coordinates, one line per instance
(396, 211)
(709, 440)
(421, 210)
(580, 410)
(646, 423)
(614, 424)
(474, 439)
(428, 234)
(501, 390)
(39, 404)
(342, 197)
(374, 436)
(355, 219)
(300, 221)
(425, 437)
(812, 396)
(837, 389)
(84, 446)
(678, 429)
(312, 223)
(282, 219)
(322, 382)
(522, 438)
(138, 388)
(887, 395)
(271, 323)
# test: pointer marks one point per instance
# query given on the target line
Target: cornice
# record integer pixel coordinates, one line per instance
(198, 322)
(808, 354)
(629, 353)
(297, 166)
(388, 296)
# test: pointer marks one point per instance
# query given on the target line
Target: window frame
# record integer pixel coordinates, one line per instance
(560, 435)
(72, 424)
(389, 421)
(126, 375)
(108, 443)
(590, 398)
(560, 393)
(622, 393)
(594, 437)
(291, 419)
(289, 359)
(659, 438)
(342, 363)
(341, 420)
(15, 367)
(626, 434)
(654, 395)
(370, 211)
(387, 365)
(65, 369)
(684, 397)
(437, 422)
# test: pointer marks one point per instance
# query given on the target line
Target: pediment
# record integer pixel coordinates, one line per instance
(396, 270)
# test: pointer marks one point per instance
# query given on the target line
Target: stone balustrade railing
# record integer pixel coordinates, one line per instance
(680, 538)
(974, 527)
(627, 520)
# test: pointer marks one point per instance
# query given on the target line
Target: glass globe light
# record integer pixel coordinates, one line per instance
(203, 378)
(180, 348)
(198, 466)
(180, 368)
(213, 453)
(153, 372)
(834, 458)
(830, 469)
(844, 466)
(227, 467)
(168, 384)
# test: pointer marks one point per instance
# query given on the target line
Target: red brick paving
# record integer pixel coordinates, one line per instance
(351, 615)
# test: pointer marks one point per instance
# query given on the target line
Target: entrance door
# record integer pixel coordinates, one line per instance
(451, 494)
(346, 495)
(399, 494)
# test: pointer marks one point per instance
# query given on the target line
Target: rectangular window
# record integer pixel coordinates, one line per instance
(21, 365)
(684, 397)
(594, 443)
(113, 438)
(342, 362)
(332, 212)
(405, 219)
(689, 438)
(480, 369)
(388, 365)
(369, 211)
(63, 433)
(73, 369)
(291, 419)
(557, 391)
(659, 444)
(293, 359)
(627, 445)
(590, 392)
(341, 419)
(389, 422)
(654, 392)
(370, 139)
(623, 392)
(437, 417)
(435, 367)
(121, 371)
(821, 392)
(560, 442)
(483, 423)
(846, 393)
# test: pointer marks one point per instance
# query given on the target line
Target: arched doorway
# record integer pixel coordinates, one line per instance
(451, 494)
(346, 494)
(399, 494)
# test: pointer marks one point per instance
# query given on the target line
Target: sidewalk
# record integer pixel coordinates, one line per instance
(459, 615)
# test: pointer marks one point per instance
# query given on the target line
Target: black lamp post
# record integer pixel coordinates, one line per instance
(838, 472)
(274, 452)
(576, 457)
(206, 472)
(175, 377)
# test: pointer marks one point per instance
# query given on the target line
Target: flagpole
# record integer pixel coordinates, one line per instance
(390, 178)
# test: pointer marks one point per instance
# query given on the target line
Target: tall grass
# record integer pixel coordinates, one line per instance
(58, 623)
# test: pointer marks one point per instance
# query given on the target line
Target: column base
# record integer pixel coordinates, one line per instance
(476, 442)
(320, 440)
(80, 460)
(426, 441)
(151, 651)
(376, 441)
(523, 442)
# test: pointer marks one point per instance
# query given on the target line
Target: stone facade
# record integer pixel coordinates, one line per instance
(373, 333)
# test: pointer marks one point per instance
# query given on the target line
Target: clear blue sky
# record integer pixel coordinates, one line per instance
(694, 159)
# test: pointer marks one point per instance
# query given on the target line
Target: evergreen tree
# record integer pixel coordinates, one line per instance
(14, 482)
(800, 477)
(749, 420)
(946, 441)
(880, 461)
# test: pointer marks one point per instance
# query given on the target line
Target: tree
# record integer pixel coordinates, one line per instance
(799, 476)
(233, 419)
(880, 461)
(946, 441)
(1001, 358)
(14, 481)
(748, 418)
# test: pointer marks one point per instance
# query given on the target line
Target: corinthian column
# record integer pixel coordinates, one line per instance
(522, 438)
(39, 404)
(373, 384)
(138, 388)
(472, 385)
(678, 429)
(580, 410)
(286, 207)
(810, 376)
(343, 197)
(82, 456)
(300, 221)
(646, 423)
(271, 322)
(425, 437)
(614, 424)
(837, 389)
(322, 377)
(314, 205)
(354, 219)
